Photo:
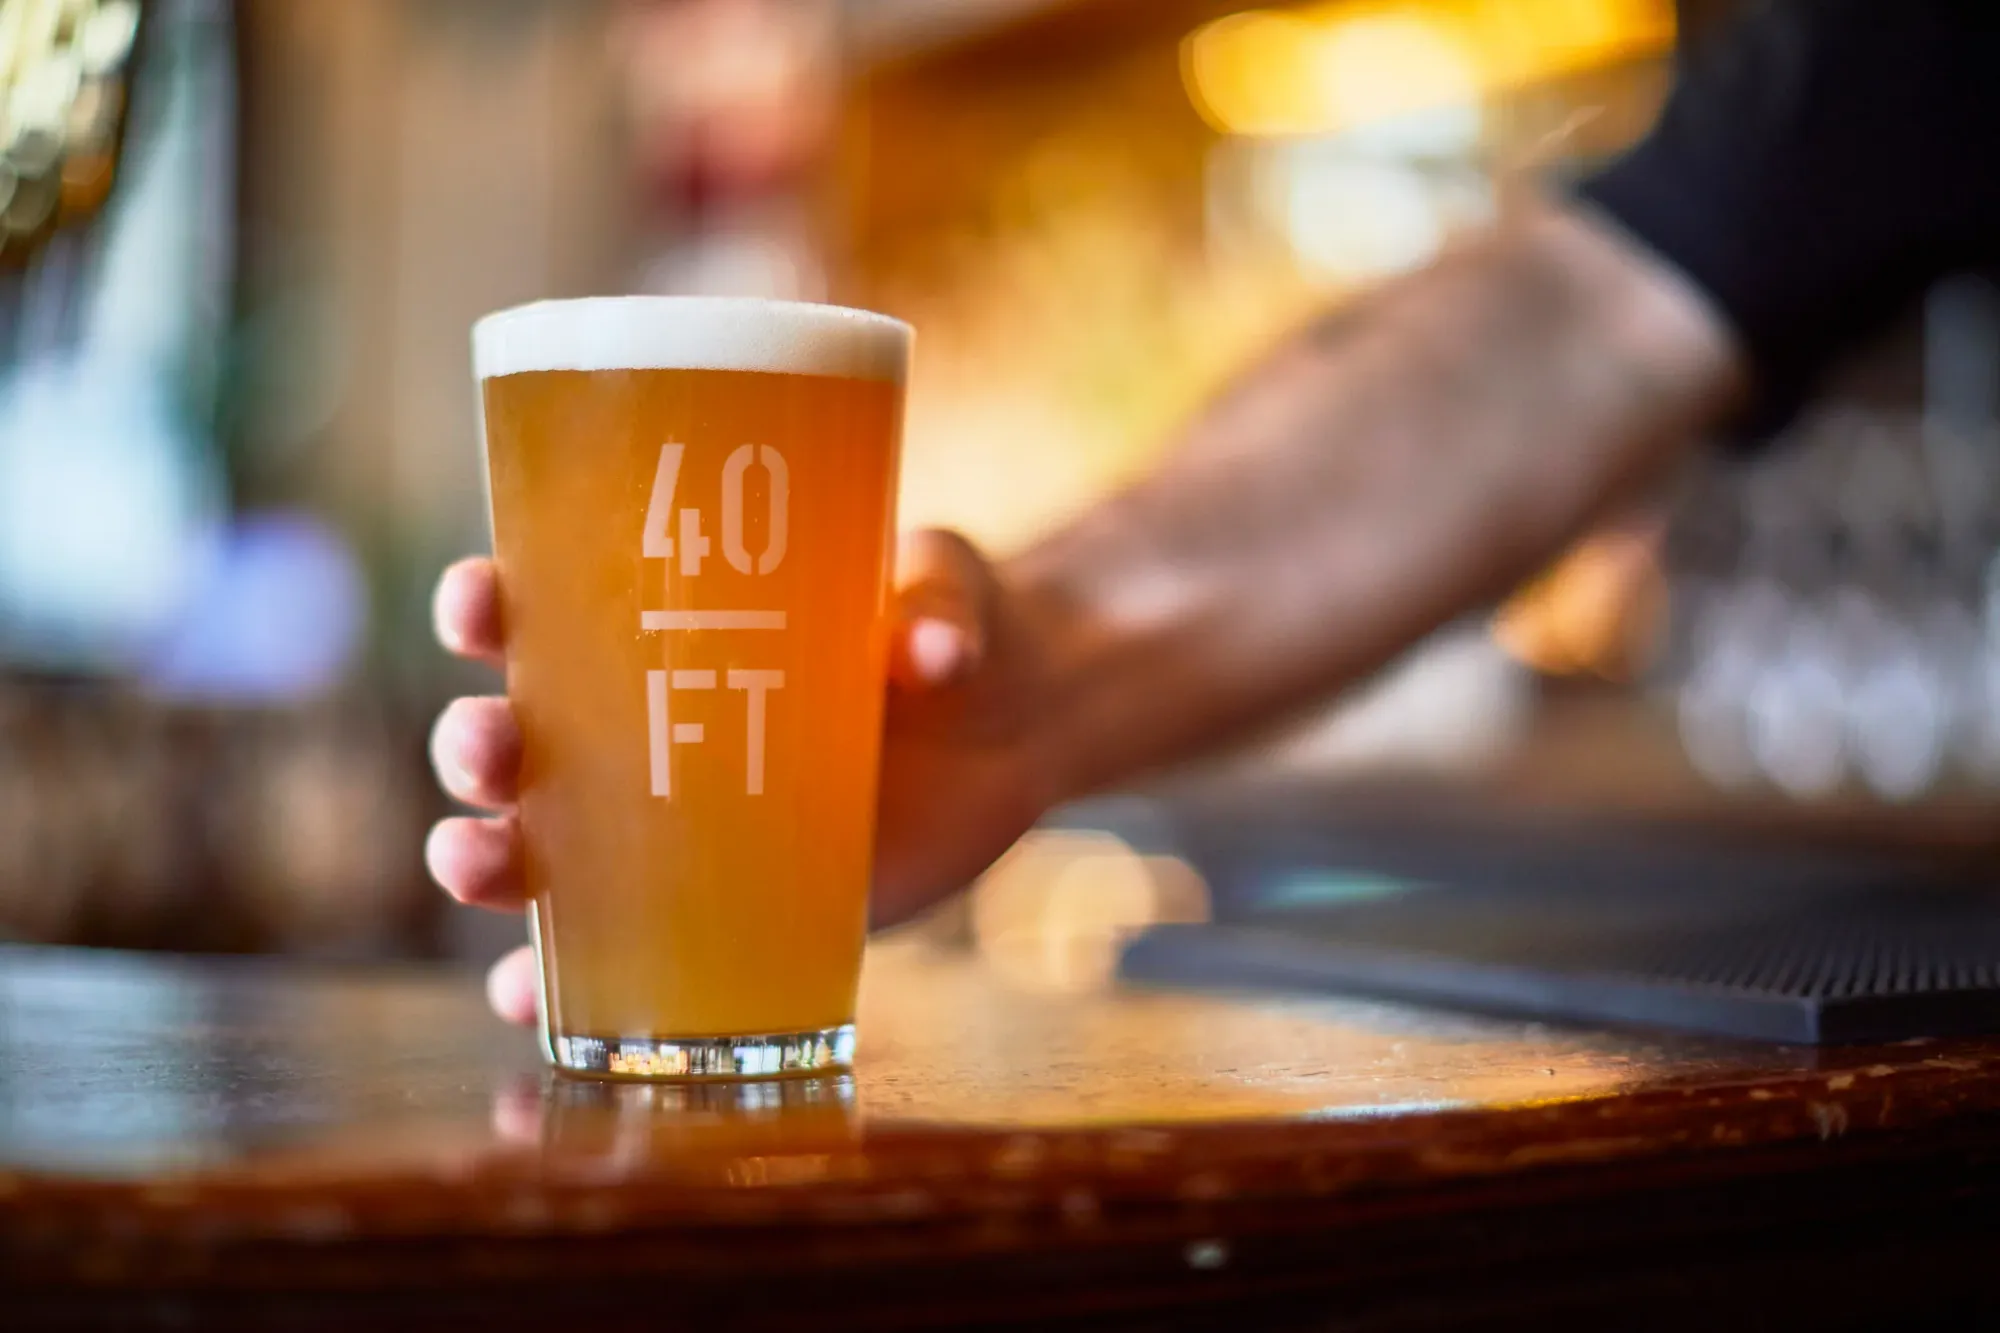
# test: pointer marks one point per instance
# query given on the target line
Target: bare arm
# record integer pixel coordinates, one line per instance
(1397, 465)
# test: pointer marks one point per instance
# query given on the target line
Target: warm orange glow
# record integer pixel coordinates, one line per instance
(1053, 913)
(1331, 67)
(1597, 611)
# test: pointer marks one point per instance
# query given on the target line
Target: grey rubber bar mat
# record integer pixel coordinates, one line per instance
(1805, 963)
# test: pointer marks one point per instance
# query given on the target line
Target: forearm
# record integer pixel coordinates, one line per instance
(1390, 469)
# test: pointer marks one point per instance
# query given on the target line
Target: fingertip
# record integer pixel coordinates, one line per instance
(943, 594)
(477, 862)
(937, 650)
(476, 750)
(465, 610)
(934, 555)
(512, 988)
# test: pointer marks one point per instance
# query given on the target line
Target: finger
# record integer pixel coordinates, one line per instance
(466, 611)
(942, 592)
(476, 750)
(478, 862)
(512, 988)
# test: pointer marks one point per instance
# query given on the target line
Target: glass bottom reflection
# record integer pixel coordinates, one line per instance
(770, 1132)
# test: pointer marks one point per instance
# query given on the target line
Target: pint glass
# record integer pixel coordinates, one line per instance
(693, 507)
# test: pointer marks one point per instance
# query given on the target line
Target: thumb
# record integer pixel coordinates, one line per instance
(944, 589)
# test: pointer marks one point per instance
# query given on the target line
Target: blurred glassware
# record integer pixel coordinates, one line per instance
(1835, 616)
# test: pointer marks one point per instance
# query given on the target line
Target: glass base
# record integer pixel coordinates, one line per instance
(775, 1055)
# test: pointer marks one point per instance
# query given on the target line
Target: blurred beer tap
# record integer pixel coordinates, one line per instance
(64, 87)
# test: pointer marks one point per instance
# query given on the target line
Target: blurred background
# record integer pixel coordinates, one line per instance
(241, 242)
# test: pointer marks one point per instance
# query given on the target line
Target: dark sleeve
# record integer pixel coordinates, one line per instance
(1820, 163)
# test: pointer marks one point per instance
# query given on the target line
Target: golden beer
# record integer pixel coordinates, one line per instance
(693, 507)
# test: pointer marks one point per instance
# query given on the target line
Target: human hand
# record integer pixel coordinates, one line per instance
(967, 762)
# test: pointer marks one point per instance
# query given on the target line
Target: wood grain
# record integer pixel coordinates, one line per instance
(188, 1143)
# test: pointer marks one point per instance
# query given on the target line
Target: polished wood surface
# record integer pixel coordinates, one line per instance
(198, 1143)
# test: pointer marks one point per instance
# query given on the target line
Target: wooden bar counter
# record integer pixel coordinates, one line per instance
(220, 1144)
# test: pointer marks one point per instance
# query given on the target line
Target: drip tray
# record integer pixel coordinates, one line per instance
(1804, 963)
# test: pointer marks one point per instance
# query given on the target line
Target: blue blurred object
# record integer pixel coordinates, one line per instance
(277, 615)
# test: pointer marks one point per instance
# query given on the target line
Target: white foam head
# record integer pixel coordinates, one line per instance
(691, 333)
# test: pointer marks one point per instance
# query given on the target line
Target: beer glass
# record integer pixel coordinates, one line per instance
(693, 503)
